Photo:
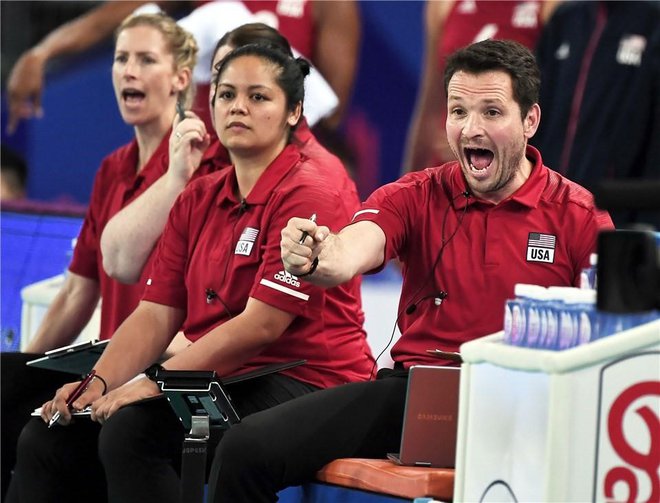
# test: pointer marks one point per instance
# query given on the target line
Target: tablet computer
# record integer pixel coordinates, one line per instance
(195, 393)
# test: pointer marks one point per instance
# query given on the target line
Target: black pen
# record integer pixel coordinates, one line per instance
(305, 234)
(180, 110)
(73, 396)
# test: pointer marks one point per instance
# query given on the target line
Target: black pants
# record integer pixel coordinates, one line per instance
(287, 444)
(139, 449)
(23, 389)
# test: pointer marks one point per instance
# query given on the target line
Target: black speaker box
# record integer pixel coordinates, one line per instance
(628, 271)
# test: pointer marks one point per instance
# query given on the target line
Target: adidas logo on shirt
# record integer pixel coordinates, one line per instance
(288, 278)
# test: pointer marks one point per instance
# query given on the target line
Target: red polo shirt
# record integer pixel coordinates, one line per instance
(215, 242)
(542, 234)
(335, 175)
(117, 184)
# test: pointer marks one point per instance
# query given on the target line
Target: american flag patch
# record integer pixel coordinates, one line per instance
(246, 241)
(542, 240)
(541, 247)
(249, 234)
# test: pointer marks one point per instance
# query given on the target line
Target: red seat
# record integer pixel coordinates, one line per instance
(385, 477)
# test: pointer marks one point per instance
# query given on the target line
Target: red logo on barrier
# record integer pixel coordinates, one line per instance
(648, 462)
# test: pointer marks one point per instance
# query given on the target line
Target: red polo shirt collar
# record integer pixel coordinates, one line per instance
(155, 167)
(527, 195)
(302, 133)
(269, 179)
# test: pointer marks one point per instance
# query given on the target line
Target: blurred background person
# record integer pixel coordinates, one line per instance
(13, 177)
(326, 33)
(600, 66)
(448, 26)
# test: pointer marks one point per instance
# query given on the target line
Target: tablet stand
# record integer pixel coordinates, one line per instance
(200, 401)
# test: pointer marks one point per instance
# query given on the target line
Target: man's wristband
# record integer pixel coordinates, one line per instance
(315, 264)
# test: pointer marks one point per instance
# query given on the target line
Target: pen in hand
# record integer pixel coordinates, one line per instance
(180, 111)
(73, 396)
(305, 233)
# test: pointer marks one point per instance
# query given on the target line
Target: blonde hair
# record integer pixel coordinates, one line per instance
(181, 44)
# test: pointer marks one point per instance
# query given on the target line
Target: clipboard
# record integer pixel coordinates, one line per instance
(446, 355)
(86, 412)
(76, 359)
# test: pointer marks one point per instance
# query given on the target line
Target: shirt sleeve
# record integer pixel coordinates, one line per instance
(86, 252)
(395, 209)
(166, 282)
(273, 285)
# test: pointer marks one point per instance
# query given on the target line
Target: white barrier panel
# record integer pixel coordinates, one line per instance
(578, 425)
(36, 298)
(380, 300)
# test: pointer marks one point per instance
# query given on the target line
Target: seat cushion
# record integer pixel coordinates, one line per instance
(384, 476)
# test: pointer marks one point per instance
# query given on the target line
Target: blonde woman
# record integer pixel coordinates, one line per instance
(152, 69)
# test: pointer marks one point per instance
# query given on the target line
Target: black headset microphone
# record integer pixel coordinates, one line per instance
(442, 294)
(437, 296)
(210, 293)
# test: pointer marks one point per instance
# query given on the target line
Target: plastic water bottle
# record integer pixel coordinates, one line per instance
(534, 315)
(586, 319)
(560, 321)
(514, 321)
(534, 339)
(633, 320)
(568, 315)
(516, 314)
(588, 275)
(608, 323)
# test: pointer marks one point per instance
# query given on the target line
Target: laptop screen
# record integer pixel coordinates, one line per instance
(430, 420)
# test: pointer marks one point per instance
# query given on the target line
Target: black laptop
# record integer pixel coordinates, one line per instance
(430, 419)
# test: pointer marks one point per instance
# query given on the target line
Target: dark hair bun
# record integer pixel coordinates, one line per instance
(304, 66)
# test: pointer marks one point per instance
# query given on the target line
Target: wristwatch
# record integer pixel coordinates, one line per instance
(152, 372)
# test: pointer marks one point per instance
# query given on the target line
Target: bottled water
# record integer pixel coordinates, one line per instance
(536, 328)
(559, 318)
(585, 316)
(560, 314)
(588, 275)
(521, 315)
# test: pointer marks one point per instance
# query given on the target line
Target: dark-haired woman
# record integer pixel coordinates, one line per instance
(223, 237)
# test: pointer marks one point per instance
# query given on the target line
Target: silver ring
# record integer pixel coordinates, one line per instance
(178, 135)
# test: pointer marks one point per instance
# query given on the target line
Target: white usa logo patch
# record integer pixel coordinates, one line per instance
(541, 247)
(246, 241)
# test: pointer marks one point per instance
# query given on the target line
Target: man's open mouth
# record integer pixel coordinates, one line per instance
(479, 159)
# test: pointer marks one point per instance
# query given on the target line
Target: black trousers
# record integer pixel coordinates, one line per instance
(23, 389)
(139, 449)
(287, 444)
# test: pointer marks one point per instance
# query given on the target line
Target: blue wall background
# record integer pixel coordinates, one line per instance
(82, 125)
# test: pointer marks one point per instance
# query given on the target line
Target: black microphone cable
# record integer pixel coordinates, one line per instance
(412, 306)
(209, 292)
